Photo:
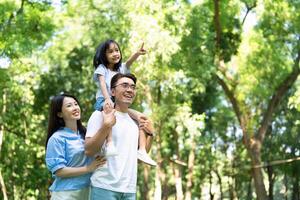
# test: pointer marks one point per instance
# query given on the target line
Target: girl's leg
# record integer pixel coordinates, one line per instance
(142, 140)
(142, 153)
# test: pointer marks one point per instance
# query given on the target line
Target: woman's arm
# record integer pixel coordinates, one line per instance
(77, 171)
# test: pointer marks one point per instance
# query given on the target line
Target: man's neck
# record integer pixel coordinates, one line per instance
(123, 109)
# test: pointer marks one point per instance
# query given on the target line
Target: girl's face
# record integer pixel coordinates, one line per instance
(113, 54)
(70, 110)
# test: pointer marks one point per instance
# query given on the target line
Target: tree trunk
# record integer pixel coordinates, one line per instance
(178, 181)
(177, 169)
(286, 185)
(271, 178)
(295, 194)
(159, 175)
(3, 188)
(165, 190)
(211, 195)
(191, 163)
(144, 190)
(231, 188)
(220, 184)
(2, 182)
(249, 192)
(257, 172)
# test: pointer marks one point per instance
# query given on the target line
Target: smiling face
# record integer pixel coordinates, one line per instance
(70, 110)
(124, 92)
(113, 54)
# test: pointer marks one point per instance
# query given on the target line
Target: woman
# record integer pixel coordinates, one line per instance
(65, 156)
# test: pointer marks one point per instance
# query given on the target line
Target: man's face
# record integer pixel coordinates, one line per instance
(124, 91)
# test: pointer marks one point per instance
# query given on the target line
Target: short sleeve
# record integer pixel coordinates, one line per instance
(99, 71)
(55, 154)
(94, 124)
(124, 69)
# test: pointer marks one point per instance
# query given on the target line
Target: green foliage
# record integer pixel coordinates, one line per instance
(25, 26)
(50, 50)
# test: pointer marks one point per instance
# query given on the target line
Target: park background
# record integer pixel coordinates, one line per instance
(220, 81)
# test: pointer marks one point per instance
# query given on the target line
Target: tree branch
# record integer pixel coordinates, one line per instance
(249, 8)
(217, 25)
(19, 11)
(92, 4)
(232, 99)
(276, 98)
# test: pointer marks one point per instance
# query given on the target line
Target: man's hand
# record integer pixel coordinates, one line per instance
(146, 125)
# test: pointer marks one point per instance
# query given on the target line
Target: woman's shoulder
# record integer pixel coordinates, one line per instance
(59, 135)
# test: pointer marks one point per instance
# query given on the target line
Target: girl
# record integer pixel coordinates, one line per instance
(108, 62)
(65, 156)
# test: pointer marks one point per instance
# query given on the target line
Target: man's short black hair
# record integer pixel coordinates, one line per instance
(118, 76)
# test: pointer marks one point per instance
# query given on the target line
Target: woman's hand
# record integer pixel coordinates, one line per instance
(98, 162)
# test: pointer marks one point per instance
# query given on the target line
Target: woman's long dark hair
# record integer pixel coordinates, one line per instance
(56, 122)
(100, 55)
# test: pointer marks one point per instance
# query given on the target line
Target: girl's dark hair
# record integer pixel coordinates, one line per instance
(56, 122)
(100, 56)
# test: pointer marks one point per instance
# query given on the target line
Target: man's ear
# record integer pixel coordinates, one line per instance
(59, 114)
(113, 92)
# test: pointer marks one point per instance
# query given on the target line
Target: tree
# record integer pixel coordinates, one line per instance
(254, 92)
(25, 27)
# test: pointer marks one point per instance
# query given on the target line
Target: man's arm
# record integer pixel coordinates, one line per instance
(93, 144)
(148, 143)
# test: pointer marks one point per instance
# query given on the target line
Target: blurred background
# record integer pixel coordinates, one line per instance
(219, 80)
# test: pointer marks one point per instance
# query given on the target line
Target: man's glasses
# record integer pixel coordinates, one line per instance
(126, 86)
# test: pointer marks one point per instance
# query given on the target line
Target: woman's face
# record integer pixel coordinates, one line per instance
(70, 109)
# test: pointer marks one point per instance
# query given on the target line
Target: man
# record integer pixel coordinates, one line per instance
(117, 179)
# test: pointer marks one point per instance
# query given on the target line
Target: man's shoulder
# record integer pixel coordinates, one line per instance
(96, 115)
(94, 123)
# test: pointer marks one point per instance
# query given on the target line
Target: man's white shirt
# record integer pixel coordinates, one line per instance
(120, 172)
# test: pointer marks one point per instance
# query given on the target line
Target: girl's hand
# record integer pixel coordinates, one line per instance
(109, 103)
(141, 51)
(109, 118)
(98, 162)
